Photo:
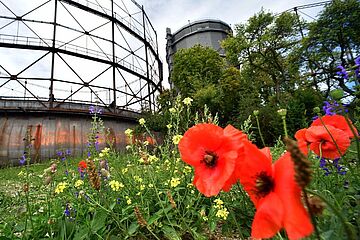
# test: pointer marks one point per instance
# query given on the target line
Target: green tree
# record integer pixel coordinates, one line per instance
(333, 39)
(263, 46)
(195, 68)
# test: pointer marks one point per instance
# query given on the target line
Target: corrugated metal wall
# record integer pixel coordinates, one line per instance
(51, 134)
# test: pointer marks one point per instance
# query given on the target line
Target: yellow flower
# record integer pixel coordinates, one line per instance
(187, 169)
(222, 213)
(128, 200)
(176, 139)
(174, 182)
(153, 158)
(151, 185)
(128, 132)
(187, 101)
(138, 179)
(104, 152)
(172, 110)
(78, 183)
(124, 170)
(142, 187)
(169, 126)
(115, 185)
(218, 202)
(142, 121)
(60, 187)
(141, 160)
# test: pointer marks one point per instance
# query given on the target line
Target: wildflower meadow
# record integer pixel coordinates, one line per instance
(208, 182)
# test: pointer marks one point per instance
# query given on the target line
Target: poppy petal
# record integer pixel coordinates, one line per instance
(318, 136)
(337, 121)
(209, 181)
(297, 222)
(300, 136)
(237, 137)
(254, 162)
(268, 218)
(197, 140)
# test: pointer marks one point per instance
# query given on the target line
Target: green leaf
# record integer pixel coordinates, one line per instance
(98, 221)
(170, 233)
(212, 225)
(82, 233)
(133, 227)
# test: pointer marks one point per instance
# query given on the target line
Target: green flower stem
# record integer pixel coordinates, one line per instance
(258, 126)
(348, 230)
(355, 136)
(284, 124)
(160, 201)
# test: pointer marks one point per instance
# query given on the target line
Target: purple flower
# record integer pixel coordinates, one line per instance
(22, 160)
(342, 73)
(322, 162)
(92, 109)
(66, 172)
(68, 152)
(332, 108)
(59, 153)
(67, 210)
(328, 108)
(357, 61)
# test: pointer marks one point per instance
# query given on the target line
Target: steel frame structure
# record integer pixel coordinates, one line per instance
(133, 61)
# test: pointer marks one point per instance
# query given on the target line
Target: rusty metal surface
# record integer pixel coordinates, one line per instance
(51, 133)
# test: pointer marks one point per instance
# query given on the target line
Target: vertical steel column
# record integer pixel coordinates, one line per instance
(146, 58)
(113, 52)
(51, 88)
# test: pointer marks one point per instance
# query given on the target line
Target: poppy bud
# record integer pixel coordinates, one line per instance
(316, 110)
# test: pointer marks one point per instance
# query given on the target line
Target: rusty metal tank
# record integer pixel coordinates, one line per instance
(53, 130)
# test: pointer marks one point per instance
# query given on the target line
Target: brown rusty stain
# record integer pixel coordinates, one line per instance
(74, 140)
(37, 142)
(3, 132)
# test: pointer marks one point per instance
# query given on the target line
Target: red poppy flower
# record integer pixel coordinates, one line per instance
(212, 153)
(301, 140)
(82, 165)
(336, 121)
(237, 136)
(275, 194)
(322, 143)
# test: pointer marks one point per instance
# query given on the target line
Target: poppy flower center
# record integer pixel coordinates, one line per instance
(210, 159)
(264, 184)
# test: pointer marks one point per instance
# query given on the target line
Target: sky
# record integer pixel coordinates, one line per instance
(177, 13)
(162, 14)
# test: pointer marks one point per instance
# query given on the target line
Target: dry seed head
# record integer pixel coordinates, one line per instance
(316, 205)
(93, 175)
(171, 200)
(139, 217)
(302, 165)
